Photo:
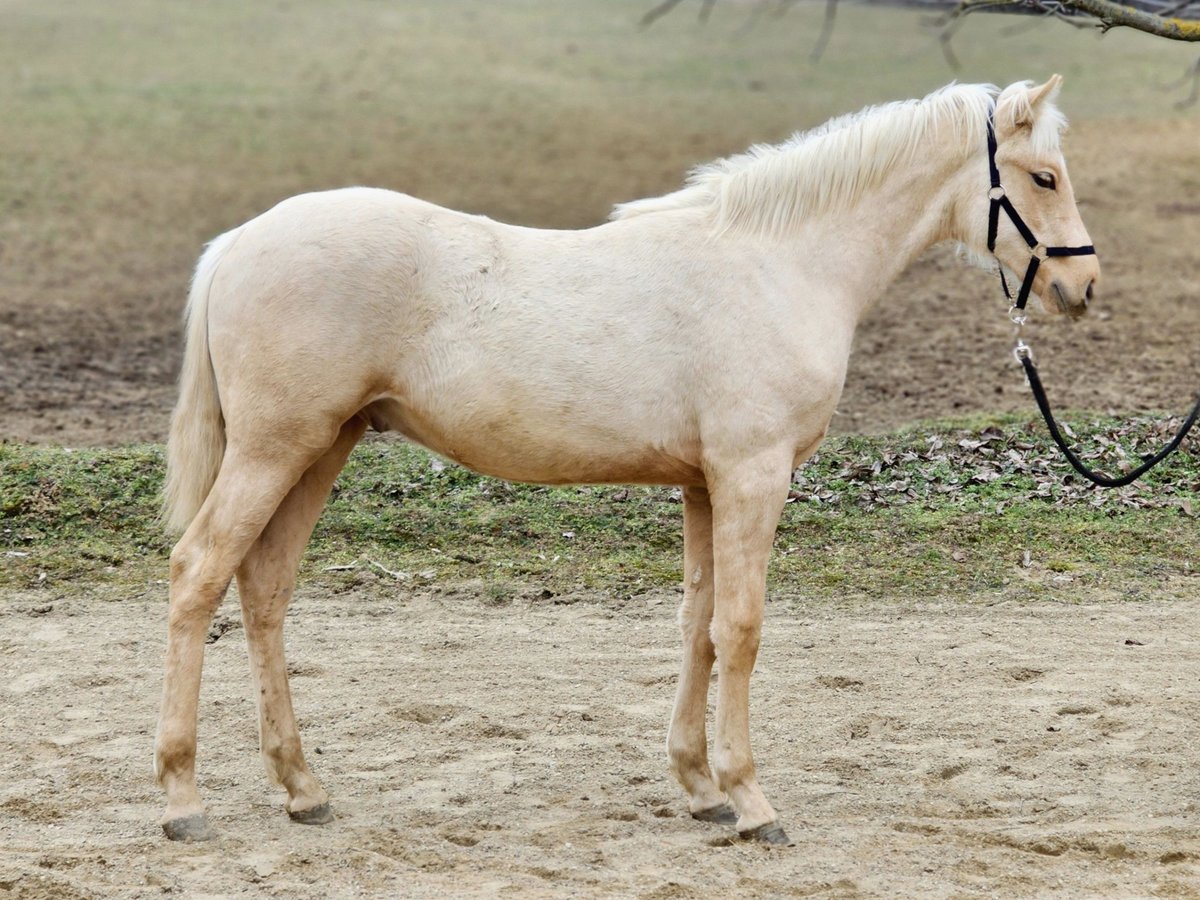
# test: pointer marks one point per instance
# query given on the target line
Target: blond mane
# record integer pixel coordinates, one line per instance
(771, 188)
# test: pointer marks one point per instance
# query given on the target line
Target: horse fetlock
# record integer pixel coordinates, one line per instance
(686, 756)
(304, 791)
(175, 765)
(735, 771)
(754, 810)
(701, 789)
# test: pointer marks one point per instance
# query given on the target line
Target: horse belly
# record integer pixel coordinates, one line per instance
(515, 451)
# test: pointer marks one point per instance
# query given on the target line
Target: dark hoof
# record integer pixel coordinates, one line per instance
(188, 829)
(770, 834)
(718, 815)
(317, 815)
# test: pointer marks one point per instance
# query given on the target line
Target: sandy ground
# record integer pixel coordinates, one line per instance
(953, 747)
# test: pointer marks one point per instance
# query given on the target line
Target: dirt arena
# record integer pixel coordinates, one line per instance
(941, 746)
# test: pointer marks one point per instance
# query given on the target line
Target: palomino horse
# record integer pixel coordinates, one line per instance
(699, 339)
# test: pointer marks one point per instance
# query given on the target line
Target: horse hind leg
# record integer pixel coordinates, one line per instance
(254, 479)
(266, 579)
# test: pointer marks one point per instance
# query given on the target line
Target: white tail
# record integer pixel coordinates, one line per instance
(196, 445)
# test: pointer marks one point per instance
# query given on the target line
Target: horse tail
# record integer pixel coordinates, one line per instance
(196, 444)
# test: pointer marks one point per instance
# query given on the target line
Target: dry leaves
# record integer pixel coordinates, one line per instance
(1003, 465)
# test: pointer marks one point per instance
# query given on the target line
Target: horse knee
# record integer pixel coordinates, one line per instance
(695, 631)
(736, 636)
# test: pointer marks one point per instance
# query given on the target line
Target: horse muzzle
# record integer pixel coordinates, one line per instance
(1071, 301)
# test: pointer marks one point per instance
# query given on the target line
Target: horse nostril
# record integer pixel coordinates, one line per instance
(1091, 291)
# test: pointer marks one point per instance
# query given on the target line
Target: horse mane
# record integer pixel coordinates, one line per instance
(771, 188)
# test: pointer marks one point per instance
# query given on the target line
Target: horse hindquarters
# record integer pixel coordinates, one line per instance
(285, 427)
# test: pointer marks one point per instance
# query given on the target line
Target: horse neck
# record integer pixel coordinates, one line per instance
(870, 243)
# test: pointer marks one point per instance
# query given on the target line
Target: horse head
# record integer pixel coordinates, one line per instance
(1030, 183)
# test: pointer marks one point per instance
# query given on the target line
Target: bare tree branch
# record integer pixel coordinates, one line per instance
(1112, 15)
(826, 30)
(1176, 20)
(658, 12)
(706, 8)
(1106, 13)
(945, 36)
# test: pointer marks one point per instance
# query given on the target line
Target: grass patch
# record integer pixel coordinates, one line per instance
(970, 508)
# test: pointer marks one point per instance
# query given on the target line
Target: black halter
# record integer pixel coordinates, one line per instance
(1037, 252)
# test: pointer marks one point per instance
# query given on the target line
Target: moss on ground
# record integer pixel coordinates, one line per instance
(973, 508)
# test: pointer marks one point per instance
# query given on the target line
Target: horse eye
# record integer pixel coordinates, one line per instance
(1044, 180)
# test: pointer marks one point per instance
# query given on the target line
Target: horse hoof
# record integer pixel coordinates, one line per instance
(322, 814)
(188, 829)
(723, 814)
(770, 834)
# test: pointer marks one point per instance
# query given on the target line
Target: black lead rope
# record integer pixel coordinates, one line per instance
(998, 200)
(1148, 463)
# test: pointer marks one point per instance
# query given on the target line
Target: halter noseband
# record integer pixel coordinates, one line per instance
(998, 200)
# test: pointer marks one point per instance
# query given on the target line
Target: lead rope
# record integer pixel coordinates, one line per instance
(998, 200)
(1024, 356)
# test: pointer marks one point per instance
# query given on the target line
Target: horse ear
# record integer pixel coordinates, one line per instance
(1044, 92)
(1018, 105)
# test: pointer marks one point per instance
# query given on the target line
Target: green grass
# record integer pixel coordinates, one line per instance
(975, 509)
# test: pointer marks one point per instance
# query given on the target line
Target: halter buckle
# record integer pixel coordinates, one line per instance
(1017, 315)
(996, 193)
(1040, 252)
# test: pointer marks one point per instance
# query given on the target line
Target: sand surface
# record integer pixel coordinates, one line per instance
(952, 747)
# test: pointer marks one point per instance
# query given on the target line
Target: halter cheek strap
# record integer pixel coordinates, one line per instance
(998, 200)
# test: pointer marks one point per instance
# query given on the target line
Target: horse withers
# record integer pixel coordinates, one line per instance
(698, 339)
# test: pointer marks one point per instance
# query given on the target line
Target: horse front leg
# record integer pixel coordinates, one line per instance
(687, 747)
(747, 502)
